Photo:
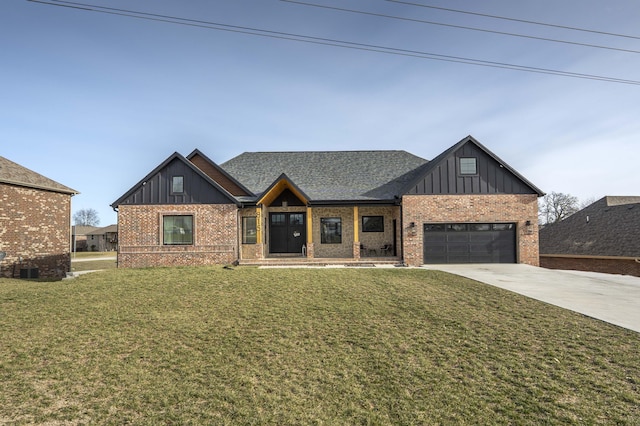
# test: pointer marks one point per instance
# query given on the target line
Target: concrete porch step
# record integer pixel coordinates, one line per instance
(303, 261)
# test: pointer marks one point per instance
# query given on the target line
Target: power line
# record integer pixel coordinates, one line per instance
(564, 27)
(323, 41)
(464, 27)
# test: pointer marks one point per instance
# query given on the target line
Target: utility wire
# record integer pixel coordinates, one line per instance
(322, 41)
(464, 27)
(564, 27)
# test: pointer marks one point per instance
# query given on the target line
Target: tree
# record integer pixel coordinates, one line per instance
(86, 217)
(557, 206)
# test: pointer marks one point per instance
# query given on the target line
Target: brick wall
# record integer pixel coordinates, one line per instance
(35, 231)
(376, 240)
(623, 266)
(514, 208)
(215, 235)
(345, 248)
(252, 251)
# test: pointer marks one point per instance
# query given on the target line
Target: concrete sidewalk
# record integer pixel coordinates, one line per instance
(607, 297)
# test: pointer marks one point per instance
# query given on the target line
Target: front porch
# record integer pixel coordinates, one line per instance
(326, 235)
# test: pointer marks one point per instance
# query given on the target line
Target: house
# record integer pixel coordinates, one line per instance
(79, 237)
(35, 224)
(103, 239)
(464, 206)
(602, 237)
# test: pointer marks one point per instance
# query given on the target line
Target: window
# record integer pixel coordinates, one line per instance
(296, 219)
(249, 230)
(177, 230)
(502, 226)
(177, 184)
(468, 166)
(480, 227)
(330, 230)
(372, 224)
(434, 227)
(278, 219)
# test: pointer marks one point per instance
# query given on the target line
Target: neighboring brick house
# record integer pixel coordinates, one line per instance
(465, 206)
(102, 239)
(79, 237)
(602, 237)
(35, 224)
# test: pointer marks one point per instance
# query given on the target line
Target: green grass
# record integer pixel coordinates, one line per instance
(92, 254)
(93, 261)
(304, 346)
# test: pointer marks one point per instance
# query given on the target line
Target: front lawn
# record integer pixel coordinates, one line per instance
(304, 346)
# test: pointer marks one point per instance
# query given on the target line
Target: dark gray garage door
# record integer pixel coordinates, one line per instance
(469, 243)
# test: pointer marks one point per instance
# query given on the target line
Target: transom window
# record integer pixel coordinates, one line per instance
(177, 230)
(468, 166)
(331, 230)
(177, 184)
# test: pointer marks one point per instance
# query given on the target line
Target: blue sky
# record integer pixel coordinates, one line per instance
(96, 101)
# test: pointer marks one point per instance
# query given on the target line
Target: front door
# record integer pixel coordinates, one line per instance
(288, 232)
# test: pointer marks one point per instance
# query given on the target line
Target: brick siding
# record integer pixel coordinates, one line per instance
(623, 266)
(517, 209)
(256, 250)
(35, 231)
(215, 235)
(345, 248)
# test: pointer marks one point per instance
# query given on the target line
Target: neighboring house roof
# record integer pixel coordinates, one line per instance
(608, 227)
(83, 230)
(328, 176)
(15, 174)
(112, 229)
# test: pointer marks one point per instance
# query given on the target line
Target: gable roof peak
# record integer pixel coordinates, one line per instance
(231, 184)
(175, 156)
(445, 156)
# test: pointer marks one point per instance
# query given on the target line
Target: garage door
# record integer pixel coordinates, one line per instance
(469, 243)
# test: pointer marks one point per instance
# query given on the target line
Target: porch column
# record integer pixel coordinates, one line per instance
(259, 234)
(356, 234)
(259, 225)
(310, 254)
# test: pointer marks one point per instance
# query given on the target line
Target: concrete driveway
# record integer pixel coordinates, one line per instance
(611, 298)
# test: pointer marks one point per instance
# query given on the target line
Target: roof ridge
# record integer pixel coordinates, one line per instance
(326, 151)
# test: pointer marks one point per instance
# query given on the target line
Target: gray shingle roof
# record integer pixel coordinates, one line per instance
(16, 174)
(329, 175)
(103, 230)
(608, 227)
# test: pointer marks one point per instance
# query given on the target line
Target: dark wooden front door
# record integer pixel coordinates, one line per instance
(288, 232)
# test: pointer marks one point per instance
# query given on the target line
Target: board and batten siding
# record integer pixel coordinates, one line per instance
(492, 177)
(157, 189)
